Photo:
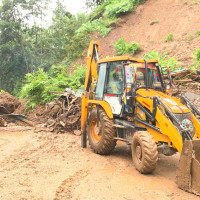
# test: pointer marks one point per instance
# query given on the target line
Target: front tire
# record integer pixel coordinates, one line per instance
(144, 152)
(101, 138)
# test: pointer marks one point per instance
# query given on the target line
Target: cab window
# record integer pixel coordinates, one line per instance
(139, 76)
(115, 78)
(101, 80)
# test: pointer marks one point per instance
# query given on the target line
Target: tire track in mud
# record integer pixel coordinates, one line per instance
(65, 190)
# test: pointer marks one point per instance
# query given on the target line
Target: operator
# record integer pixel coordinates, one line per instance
(116, 80)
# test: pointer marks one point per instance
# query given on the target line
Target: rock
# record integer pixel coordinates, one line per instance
(77, 132)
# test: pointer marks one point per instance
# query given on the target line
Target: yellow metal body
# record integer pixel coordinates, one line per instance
(168, 132)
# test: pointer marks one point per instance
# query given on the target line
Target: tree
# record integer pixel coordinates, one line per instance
(94, 3)
(15, 47)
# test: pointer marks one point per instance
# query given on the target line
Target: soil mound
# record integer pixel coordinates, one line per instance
(9, 102)
(21, 108)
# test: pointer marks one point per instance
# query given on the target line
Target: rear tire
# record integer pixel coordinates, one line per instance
(144, 152)
(101, 138)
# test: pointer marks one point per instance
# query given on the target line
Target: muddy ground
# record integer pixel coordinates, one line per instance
(44, 166)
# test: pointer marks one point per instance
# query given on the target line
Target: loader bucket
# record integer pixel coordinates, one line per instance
(188, 175)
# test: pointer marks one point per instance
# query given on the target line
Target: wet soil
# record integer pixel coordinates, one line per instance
(150, 24)
(44, 166)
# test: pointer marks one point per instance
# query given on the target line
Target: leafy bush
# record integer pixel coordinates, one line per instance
(121, 47)
(95, 25)
(163, 61)
(2, 91)
(115, 8)
(198, 33)
(169, 38)
(118, 7)
(194, 3)
(98, 11)
(197, 55)
(38, 84)
(196, 63)
(110, 9)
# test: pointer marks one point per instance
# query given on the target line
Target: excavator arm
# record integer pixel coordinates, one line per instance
(90, 82)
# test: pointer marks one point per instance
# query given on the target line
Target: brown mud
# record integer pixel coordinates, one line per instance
(43, 165)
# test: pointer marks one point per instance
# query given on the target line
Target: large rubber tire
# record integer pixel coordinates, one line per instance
(144, 152)
(101, 138)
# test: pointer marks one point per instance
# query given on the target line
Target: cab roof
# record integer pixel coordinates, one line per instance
(124, 58)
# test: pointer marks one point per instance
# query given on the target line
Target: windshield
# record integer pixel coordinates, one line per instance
(135, 74)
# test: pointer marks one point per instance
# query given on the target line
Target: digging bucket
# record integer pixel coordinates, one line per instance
(188, 175)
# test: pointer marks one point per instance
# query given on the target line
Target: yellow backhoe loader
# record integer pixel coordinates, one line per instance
(128, 99)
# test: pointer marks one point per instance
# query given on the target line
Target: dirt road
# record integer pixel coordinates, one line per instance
(45, 166)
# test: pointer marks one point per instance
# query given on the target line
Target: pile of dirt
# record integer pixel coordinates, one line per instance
(61, 115)
(9, 102)
(21, 109)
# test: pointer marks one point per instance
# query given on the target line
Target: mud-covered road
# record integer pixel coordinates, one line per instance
(45, 166)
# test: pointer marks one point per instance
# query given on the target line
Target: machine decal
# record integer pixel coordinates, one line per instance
(170, 101)
(187, 125)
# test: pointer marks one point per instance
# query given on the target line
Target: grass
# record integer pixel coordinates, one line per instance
(169, 37)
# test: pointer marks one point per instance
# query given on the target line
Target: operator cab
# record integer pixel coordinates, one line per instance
(118, 80)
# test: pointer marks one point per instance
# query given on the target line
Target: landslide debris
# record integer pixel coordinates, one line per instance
(9, 102)
(64, 114)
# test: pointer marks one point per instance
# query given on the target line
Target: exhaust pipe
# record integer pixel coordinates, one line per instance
(146, 73)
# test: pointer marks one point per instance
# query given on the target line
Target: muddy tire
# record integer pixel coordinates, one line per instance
(101, 138)
(144, 152)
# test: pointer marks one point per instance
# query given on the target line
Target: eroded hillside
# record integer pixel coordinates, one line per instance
(152, 23)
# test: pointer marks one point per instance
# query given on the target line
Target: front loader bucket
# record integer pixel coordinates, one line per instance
(188, 176)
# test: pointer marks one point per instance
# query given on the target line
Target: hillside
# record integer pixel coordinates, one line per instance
(169, 16)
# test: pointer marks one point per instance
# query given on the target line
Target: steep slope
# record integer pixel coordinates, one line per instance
(181, 18)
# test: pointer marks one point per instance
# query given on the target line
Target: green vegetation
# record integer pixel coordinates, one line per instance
(197, 55)
(185, 2)
(34, 58)
(154, 22)
(172, 63)
(95, 25)
(190, 37)
(169, 37)
(25, 48)
(106, 13)
(39, 83)
(196, 63)
(121, 47)
(2, 91)
(194, 3)
(198, 33)
(117, 7)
